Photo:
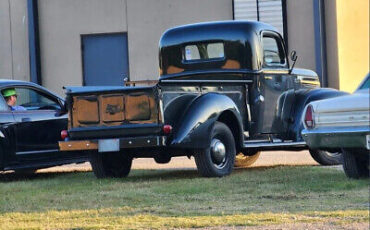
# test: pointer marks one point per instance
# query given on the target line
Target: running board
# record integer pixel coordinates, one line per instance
(258, 144)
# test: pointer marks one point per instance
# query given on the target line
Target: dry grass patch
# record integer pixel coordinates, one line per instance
(112, 219)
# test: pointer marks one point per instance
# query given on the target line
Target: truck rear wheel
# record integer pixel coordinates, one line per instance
(112, 164)
(354, 165)
(242, 160)
(326, 158)
(218, 159)
(25, 172)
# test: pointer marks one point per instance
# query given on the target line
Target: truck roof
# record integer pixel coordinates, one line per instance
(240, 40)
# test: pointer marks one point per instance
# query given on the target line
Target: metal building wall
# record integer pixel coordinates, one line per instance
(245, 10)
(63, 22)
(14, 62)
(148, 19)
(268, 11)
(301, 32)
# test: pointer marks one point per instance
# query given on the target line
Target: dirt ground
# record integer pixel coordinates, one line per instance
(268, 158)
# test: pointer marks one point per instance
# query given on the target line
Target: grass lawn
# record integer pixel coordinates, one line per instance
(182, 199)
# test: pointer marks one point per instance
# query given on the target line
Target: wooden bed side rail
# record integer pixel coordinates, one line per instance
(143, 82)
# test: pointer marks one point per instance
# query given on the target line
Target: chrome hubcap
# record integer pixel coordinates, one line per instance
(218, 152)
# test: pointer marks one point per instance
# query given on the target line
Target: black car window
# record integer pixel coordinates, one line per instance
(32, 99)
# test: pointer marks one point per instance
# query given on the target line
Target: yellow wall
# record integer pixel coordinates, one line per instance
(353, 42)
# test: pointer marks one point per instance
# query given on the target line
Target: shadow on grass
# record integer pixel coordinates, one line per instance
(259, 168)
(12, 176)
(135, 174)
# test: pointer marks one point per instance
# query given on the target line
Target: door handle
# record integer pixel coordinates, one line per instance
(25, 119)
(259, 99)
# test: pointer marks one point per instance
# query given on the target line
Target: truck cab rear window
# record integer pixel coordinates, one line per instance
(204, 51)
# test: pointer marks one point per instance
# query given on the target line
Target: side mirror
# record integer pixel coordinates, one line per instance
(63, 109)
(293, 57)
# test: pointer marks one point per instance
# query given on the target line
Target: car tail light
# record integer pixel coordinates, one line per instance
(167, 129)
(308, 118)
(64, 134)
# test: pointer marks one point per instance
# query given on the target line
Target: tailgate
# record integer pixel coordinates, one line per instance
(102, 112)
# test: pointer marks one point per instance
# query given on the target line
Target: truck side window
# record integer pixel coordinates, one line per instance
(272, 52)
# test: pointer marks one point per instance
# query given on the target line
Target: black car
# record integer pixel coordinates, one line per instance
(29, 137)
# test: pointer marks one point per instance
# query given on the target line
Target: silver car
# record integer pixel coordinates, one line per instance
(342, 124)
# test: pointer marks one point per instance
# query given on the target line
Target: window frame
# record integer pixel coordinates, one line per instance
(281, 50)
(3, 103)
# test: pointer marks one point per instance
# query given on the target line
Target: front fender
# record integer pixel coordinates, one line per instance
(194, 128)
(302, 98)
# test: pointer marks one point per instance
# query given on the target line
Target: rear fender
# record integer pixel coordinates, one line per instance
(194, 128)
(302, 98)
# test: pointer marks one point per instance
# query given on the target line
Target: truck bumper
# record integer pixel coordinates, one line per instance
(113, 144)
(351, 137)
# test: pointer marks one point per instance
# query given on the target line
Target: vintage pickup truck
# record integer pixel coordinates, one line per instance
(225, 89)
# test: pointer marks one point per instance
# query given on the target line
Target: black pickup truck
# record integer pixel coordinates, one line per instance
(226, 91)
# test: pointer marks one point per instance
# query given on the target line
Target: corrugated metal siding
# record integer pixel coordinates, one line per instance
(270, 11)
(245, 10)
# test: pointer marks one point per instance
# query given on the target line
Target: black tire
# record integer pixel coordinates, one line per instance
(26, 172)
(326, 158)
(215, 161)
(354, 165)
(112, 164)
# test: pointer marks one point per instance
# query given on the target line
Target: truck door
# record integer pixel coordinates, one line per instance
(273, 85)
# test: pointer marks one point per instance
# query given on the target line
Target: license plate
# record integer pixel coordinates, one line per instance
(368, 142)
(108, 145)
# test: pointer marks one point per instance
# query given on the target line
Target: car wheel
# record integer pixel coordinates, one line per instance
(218, 159)
(242, 160)
(113, 164)
(354, 165)
(326, 158)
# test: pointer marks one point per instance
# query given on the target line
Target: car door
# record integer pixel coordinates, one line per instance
(38, 126)
(7, 140)
(274, 84)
